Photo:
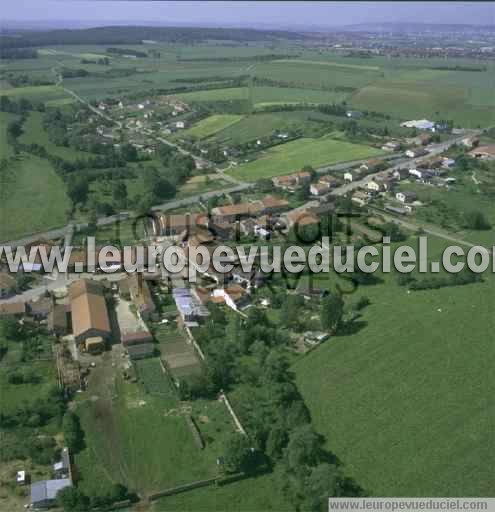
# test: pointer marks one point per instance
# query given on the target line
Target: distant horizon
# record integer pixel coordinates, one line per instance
(14, 24)
(293, 15)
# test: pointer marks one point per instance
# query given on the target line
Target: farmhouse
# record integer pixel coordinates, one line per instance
(331, 180)
(141, 294)
(470, 142)
(236, 211)
(424, 139)
(89, 311)
(375, 186)
(415, 153)
(422, 174)
(302, 218)
(44, 493)
(448, 162)
(40, 308)
(406, 197)
(352, 175)
(391, 146)
(7, 284)
(172, 225)
(15, 309)
(421, 124)
(319, 189)
(360, 198)
(484, 152)
(272, 204)
(57, 320)
(234, 296)
(291, 181)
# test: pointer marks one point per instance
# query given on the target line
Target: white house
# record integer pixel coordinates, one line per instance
(406, 197)
(180, 125)
(374, 186)
(351, 175)
(416, 172)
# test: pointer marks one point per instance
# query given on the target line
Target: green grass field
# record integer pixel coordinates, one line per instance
(5, 148)
(213, 124)
(265, 96)
(32, 198)
(140, 440)
(430, 99)
(41, 93)
(252, 494)
(405, 402)
(264, 124)
(290, 157)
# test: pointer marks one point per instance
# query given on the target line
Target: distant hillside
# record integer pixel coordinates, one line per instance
(413, 27)
(135, 35)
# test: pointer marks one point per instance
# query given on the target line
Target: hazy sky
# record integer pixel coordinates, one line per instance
(248, 13)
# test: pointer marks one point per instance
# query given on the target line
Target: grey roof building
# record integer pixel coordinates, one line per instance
(44, 492)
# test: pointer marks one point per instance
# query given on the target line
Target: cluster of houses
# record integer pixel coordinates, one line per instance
(142, 120)
(431, 171)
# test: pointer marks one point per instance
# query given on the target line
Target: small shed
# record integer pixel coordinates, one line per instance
(94, 345)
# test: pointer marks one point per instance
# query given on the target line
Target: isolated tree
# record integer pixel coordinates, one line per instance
(129, 153)
(71, 499)
(322, 483)
(119, 193)
(14, 129)
(78, 189)
(73, 433)
(332, 309)
(303, 449)
(476, 220)
(240, 455)
(276, 366)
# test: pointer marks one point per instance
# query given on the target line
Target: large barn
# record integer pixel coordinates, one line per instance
(89, 311)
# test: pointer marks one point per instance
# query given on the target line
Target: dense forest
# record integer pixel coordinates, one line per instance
(136, 35)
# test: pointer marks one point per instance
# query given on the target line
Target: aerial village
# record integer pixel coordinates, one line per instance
(87, 315)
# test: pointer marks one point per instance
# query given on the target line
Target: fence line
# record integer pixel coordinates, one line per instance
(194, 343)
(237, 422)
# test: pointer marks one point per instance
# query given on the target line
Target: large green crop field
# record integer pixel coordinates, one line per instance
(430, 99)
(404, 400)
(41, 93)
(290, 157)
(213, 124)
(32, 198)
(265, 96)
